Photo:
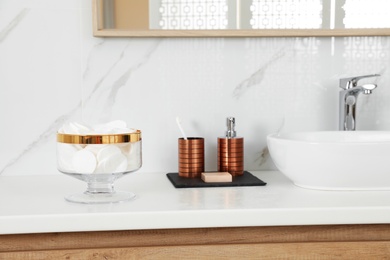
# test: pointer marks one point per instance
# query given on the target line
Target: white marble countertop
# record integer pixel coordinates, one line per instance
(35, 204)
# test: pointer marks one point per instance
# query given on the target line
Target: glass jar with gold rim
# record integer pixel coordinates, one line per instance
(99, 159)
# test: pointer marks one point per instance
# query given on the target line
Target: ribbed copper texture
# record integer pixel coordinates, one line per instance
(191, 157)
(231, 155)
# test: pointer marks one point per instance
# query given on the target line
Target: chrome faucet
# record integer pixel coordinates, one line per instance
(348, 100)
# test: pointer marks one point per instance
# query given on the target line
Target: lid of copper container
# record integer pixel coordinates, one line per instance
(191, 140)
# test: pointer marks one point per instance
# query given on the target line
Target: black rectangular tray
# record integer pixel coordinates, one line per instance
(247, 179)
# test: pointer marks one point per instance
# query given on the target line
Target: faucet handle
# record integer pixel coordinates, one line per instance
(347, 83)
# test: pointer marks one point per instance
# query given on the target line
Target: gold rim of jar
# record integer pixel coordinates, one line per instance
(99, 139)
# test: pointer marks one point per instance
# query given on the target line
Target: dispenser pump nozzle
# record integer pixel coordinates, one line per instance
(231, 123)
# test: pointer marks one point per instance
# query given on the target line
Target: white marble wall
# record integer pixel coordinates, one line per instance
(53, 70)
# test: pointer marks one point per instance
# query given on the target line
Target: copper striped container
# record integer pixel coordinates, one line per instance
(231, 155)
(191, 157)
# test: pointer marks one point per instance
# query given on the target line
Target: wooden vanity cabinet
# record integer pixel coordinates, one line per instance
(309, 242)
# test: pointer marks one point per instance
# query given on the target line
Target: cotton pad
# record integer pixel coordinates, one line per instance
(84, 161)
(113, 164)
(67, 152)
(107, 152)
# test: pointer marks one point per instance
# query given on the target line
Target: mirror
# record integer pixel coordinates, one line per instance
(240, 18)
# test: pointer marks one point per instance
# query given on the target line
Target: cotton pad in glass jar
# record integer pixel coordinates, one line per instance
(99, 155)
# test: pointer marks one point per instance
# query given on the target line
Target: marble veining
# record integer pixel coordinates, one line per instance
(53, 70)
(13, 23)
(110, 83)
(263, 156)
(257, 77)
(49, 133)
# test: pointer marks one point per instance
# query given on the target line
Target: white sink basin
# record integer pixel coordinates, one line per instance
(334, 160)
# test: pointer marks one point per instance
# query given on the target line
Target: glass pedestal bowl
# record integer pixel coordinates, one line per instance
(99, 160)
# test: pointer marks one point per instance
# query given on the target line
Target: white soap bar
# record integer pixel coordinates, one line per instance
(216, 177)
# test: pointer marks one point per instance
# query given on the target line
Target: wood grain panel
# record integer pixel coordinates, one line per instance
(205, 236)
(314, 250)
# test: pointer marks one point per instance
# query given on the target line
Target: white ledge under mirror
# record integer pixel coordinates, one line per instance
(240, 18)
